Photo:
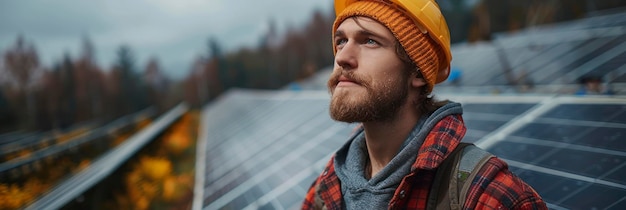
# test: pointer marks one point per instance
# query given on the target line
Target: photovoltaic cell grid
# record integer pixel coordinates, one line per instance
(572, 151)
(558, 54)
(483, 118)
(558, 62)
(601, 19)
(264, 149)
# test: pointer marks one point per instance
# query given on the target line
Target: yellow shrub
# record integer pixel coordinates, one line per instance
(156, 168)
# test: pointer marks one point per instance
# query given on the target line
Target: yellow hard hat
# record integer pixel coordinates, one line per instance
(428, 17)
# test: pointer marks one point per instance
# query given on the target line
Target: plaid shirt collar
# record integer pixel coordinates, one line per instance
(442, 139)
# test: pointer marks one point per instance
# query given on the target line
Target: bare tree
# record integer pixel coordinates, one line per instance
(22, 66)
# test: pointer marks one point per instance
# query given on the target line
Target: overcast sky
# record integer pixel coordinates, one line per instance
(173, 31)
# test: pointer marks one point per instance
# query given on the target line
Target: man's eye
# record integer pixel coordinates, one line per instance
(340, 41)
(371, 42)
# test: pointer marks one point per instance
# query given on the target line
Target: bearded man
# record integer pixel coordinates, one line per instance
(389, 54)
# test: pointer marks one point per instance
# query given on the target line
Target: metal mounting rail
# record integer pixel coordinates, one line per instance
(87, 178)
(59, 148)
(27, 141)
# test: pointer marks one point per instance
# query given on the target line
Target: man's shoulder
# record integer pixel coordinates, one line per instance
(325, 192)
(496, 186)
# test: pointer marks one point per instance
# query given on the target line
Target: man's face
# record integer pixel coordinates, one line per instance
(369, 81)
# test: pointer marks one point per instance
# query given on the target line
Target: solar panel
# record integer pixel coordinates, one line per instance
(555, 68)
(589, 112)
(559, 54)
(281, 139)
(569, 149)
(482, 118)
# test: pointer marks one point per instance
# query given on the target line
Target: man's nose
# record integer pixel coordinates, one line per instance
(346, 57)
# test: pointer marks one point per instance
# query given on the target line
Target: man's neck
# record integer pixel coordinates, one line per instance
(384, 139)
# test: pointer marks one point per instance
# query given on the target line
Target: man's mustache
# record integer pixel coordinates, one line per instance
(349, 75)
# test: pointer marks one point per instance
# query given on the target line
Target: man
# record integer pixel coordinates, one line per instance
(388, 57)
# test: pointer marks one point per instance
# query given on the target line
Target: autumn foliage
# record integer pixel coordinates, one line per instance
(24, 184)
(160, 175)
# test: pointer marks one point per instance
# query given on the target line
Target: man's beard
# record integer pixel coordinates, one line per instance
(381, 102)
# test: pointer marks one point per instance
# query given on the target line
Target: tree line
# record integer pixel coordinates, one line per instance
(72, 90)
(75, 90)
(34, 97)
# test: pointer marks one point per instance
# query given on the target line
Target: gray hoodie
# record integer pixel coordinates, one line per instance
(360, 193)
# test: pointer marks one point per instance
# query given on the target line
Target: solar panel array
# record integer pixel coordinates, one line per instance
(264, 149)
(551, 58)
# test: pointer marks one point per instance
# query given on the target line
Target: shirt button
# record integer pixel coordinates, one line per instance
(402, 193)
(325, 172)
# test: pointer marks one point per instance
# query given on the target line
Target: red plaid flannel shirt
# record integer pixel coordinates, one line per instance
(495, 187)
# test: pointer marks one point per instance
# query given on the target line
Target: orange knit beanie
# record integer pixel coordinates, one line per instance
(422, 49)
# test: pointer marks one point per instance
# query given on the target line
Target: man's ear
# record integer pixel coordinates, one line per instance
(417, 81)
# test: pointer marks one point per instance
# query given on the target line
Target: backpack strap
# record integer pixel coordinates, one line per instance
(474, 158)
(454, 176)
(318, 203)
